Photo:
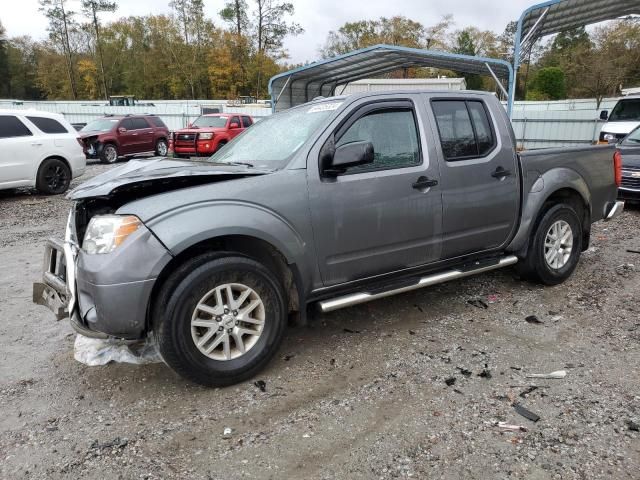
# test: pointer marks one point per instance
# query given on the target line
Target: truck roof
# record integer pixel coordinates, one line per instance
(452, 93)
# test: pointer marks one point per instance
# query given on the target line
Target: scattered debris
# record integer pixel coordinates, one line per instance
(464, 371)
(526, 392)
(458, 391)
(485, 373)
(450, 381)
(625, 269)
(261, 384)
(332, 362)
(529, 415)
(348, 330)
(633, 426)
(533, 319)
(116, 442)
(476, 302)
(513, 428)
(492, 298)
(411, 332)
(226, 433)
(419, 308)
(286, 358)
(553, 375)
(631, 250)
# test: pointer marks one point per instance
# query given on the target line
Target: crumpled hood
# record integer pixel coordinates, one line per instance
(159, 170)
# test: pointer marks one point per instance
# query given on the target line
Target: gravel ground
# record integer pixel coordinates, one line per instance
(410, 386)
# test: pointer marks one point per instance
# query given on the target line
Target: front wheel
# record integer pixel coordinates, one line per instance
(555, 247)
(219, 319)
(109, 153)
(162, 148)
(54, 177)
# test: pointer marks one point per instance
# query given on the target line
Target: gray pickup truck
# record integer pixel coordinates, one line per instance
(333, 203)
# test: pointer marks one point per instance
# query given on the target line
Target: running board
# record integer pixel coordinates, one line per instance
(445, 276)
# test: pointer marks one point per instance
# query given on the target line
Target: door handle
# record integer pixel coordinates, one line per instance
(424, 182)
(501, 173)
(36, 144)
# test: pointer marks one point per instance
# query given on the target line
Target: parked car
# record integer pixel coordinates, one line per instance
(332, 203)
(115, 136)
(208, 133)
(629, 152)
(38, 149)
(624, 117)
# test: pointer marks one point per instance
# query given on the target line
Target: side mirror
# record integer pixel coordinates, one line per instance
(234, 125)
(122, 130)
(349, 155)
(604, 115)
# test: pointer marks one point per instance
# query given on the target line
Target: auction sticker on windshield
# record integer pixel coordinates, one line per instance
(324, 107)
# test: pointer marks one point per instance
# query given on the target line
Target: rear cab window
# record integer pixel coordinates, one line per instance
(465, 129)
(12, 127)
(246, 121)
(48, 125)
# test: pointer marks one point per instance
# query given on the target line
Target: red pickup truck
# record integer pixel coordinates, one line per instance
(208, 133)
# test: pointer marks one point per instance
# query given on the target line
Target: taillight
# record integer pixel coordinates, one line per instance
(617, 167)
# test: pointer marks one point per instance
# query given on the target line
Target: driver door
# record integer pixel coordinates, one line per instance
(377, 218)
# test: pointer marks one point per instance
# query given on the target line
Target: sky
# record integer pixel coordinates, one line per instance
(317, 17)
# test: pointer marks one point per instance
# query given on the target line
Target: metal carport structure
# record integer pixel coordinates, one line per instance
(321, 78)
(556, 16)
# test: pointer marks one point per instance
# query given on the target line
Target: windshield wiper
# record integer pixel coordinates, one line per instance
(246, 164)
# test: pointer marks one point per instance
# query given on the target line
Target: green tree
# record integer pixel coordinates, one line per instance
(91, 9)
(5, 74)
(465, 45)
(549, 83)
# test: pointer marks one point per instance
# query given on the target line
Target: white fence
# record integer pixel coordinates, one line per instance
(536, 124)
(176, 114)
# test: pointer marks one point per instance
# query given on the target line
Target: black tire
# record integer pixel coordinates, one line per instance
(54, 177)
(535, 267)
(109, 153)
(162, 148)
(178, 298)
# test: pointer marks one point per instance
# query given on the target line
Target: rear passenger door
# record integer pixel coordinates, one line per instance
(144, 135)
(478, 176)
(246, 122)
(19, 151)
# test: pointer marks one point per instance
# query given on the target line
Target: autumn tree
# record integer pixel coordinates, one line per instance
(5, 79)
(61, 23)
(465, 45)
(91, 9)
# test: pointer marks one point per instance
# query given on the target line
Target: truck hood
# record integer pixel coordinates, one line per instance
(619, 127)
(140, 178)
(630, 155)
(201, 130)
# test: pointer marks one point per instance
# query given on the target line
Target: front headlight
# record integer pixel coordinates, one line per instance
(205, 136)
(105, 233)
(610, 137)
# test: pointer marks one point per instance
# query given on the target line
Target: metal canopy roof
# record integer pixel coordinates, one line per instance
(321, 78)
(555, 16)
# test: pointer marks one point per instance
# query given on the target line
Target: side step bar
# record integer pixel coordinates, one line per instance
(445, 276)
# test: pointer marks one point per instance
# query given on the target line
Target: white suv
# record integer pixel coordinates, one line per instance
(39, 149)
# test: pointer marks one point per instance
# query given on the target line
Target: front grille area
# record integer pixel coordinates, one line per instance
(186, 137)
(630, 182)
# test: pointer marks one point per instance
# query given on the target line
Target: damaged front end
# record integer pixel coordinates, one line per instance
(92, 146)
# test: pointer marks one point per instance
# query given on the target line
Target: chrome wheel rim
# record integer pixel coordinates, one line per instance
(110, 154)
(228, 321)
(162, 148)
(558, 244)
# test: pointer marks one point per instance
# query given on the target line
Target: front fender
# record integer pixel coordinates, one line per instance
(542, 188)
(184, 227)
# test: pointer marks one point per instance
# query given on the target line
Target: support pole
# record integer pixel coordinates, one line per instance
(495, 77)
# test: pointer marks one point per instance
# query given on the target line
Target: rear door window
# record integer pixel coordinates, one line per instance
(139, 123)
(464, 128)
(128, 124)
(48, 125)
(246, 122)
(11, 127)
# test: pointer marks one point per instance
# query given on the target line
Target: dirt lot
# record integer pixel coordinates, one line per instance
(411, 386)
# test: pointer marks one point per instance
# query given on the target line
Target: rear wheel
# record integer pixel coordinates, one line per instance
(162, 148)
(54, 177)
(109, 153)
(555, 247)
(219, 319)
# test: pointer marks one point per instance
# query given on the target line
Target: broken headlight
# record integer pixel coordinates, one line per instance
(105, 233)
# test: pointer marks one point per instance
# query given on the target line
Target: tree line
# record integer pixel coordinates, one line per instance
(184, 54)
(180, 55)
